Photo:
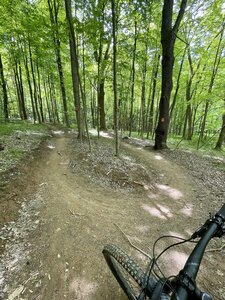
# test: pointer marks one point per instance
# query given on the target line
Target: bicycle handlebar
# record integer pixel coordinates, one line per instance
(221, 212)
(187, 276)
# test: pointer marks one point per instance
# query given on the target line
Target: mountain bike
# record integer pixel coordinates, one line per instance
(139, 284)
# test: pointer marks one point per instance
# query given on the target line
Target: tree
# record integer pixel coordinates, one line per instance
(114, 24)
(168, 38)
(74, 66)
(221, 138)
(4, 89)
(53, 11)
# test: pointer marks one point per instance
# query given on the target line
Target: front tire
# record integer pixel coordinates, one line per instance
(130, 276)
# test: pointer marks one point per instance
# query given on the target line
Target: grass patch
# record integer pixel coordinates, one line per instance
(9, 128)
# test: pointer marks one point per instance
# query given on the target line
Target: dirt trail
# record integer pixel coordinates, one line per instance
(71, 219)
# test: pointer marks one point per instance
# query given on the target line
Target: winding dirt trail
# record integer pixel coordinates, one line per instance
(71, 219)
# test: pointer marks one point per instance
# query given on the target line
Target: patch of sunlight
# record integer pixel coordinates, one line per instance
(187, 210)
(165, 210)
(171, 192)
(152, 195)
(158, 157)
(93, 131)
(65, 162)
(51, 147)
(105, 134)
(153, 211)
(173, 233)
(175, 260)
(82, 289)
(189, 232)
(143, 228)
(126, 157)
(59, 132)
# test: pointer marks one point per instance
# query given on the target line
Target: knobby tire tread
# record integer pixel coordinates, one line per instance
(129, 265)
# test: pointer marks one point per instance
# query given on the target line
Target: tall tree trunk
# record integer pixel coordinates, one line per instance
(143, 93)
(133, 78)
(53, 11)
(83, 95)
(188, 129)
(152, 94)
(74, 66)
(4, 89)
(40, 96)
(20, 93)
(47, 101)
(51, 105)
(216, 64)
(22, 97)
(101, 59)
(101, 104)
(221, 138)
(177, 84)
(30, 87)
(101, 82)
(34, 83)
(114, 25)
(168, 38)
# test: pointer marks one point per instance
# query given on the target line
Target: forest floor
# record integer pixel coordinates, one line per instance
(63, 204)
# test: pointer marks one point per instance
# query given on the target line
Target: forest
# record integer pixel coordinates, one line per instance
(149, 68)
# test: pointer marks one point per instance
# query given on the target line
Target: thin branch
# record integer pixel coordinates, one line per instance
(180, 16)
(135, 247)
(183, 41)
(216, 249)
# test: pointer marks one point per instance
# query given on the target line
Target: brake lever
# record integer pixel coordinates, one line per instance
(221, 227)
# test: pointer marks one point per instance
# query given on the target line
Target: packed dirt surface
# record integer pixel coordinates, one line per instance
(72, 202)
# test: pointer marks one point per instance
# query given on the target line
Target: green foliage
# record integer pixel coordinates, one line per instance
(25, 23)
(10, 127)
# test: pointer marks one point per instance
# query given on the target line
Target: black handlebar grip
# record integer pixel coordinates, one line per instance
(221, 212)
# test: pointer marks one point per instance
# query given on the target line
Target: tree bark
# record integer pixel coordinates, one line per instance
(34, 83)
(40, 96)
(216, 64)
(53, 11)
(30, 87)
(115, 77)
(20, 92)
(168, 38)
(143, 93)
(221, 138)
(74, 66)
(152, 94)
(133, 78)
(4, 89)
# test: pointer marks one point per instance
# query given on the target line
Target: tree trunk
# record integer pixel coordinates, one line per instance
(178, 84)
(53, 11)
(221, 138)
(21, 90)
(133, 78)
(34, 83)
(216, 64)
(152, 95)
(74, 66)
(114, 25)
(143, 94)
(4, 89)
(47, 102)
(168, 37)
(101, 105)
(30, 87)
(40, 96)
(20, 93)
